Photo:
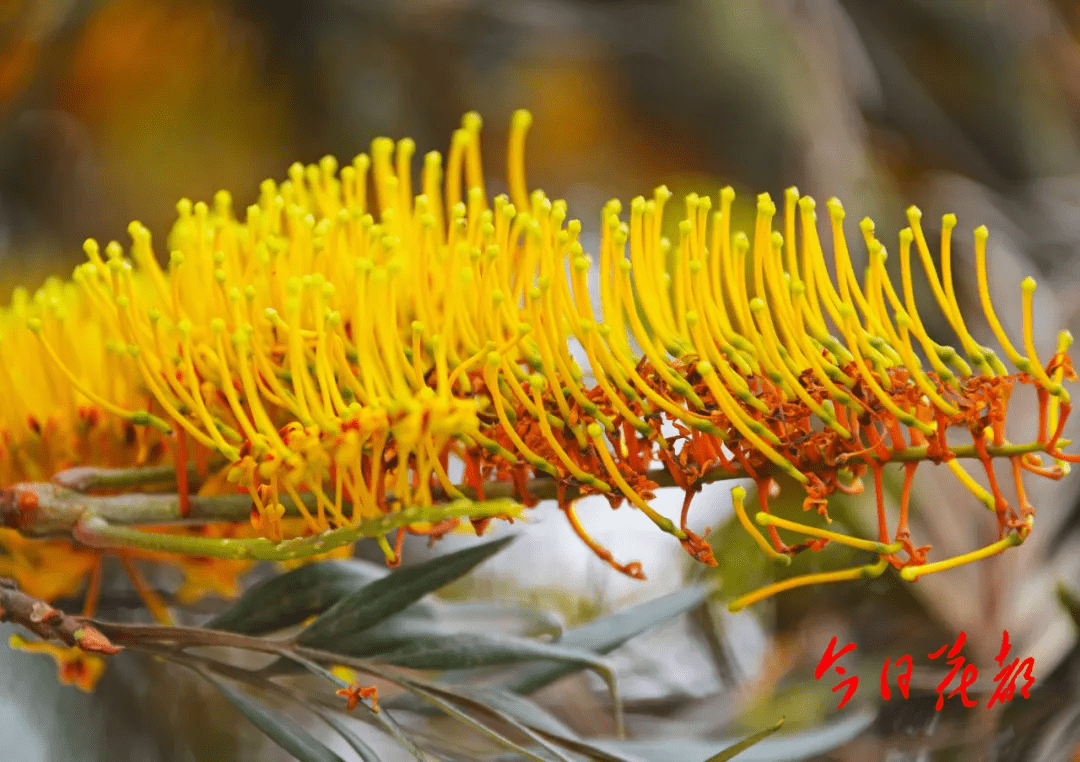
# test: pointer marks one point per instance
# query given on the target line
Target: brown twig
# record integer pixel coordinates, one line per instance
(50, 623)
(136, 635)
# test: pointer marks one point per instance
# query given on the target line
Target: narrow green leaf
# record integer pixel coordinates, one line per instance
(430, 620)
(432, 697)
(514, 710)
(385, 720)
(1070, 600)
(382, 598)
(732, 751)
(365, 752)
(469, 650)
(292, 597)
(393, 633)
(381, 719)
(472, 650)
(498, 616)
(282, 730)
(525, 710)
(795, 747)
(532, 715)
(497, 709)
(505, 704)
(415, 623)
(605, 635)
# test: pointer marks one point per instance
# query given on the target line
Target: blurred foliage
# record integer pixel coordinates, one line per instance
(358, 621)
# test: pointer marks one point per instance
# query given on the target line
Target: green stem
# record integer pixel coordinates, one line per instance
(87, 478)
(545, 487)
(59, 509)
(97, 532)
(966, 451)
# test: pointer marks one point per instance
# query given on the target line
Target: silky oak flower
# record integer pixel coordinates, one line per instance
(366, 344)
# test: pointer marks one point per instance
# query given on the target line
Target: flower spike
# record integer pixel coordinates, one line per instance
(347, 346)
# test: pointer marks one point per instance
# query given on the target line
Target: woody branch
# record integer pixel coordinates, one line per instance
(49, 623)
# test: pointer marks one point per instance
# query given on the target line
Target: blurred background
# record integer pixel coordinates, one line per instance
(112, 111)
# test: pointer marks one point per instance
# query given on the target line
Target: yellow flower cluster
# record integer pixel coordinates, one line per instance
(47, 424)
(350, 338)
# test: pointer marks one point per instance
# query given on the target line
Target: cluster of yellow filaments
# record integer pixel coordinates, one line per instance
(373, 350)
(46, 424)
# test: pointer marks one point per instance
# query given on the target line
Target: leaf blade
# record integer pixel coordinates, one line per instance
(529, 714)
(473, 650)
(606, 634)
(794, 747)
(290, 598)
(281, 729)
(735, 749)
(384, 597)
(465, 718)
(356, 743)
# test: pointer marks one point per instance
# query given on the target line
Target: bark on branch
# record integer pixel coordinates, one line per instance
(49, 623)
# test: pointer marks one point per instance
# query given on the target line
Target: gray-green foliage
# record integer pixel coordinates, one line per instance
(380, 623)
